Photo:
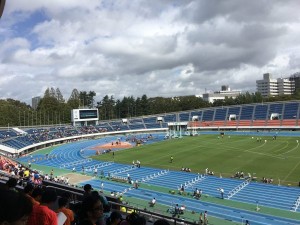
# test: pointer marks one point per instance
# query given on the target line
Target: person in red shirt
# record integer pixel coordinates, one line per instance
(42, 214)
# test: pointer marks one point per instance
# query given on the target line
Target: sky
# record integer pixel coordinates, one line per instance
(161, 48)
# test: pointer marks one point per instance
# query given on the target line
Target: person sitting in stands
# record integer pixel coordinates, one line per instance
(42, 214)
(161, 222)
(15, 207)
(115, 218)
(91, 210)
(87, 190)
(62, 207)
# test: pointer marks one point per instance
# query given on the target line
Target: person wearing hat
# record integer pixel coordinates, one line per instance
(87, 190)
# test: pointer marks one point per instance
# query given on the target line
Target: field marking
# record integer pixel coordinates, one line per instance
(265, 154)
(290, 150)
(292, 170)
(287, 144)
(248, 150)
(257, 147)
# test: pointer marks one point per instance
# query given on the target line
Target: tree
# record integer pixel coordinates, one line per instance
(106, 107)
(59, 96)
(144, 105)
(87, 98)
(74, 100)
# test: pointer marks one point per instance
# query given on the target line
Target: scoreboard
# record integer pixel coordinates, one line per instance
(82, 116)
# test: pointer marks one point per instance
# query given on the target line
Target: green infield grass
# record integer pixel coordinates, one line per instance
(278, 159)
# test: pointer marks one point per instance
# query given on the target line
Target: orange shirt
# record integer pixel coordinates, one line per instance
(69, 214)
(42, 215)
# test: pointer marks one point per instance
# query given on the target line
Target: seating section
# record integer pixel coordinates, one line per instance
(136, 121)
(208, 115)
(275, 114)
(260, 112)
(276, 108)
(185, 116)
(247, 113)
(150, 119)
(220, 114)
(290, 111)
(169, 118)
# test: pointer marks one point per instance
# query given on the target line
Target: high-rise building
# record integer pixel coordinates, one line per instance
(296, 78)
(274, 87)
(35, 102)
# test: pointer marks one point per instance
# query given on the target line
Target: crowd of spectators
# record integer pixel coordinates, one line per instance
(33, 136)
(36, 205)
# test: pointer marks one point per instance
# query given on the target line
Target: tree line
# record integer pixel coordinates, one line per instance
(54, 109)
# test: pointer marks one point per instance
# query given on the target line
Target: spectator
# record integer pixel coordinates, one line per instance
(14, 207)
(11, 184)
(37, 195)
(140, 220)
(106, 206)
(87, 190)
(114, 219)
(42, 214)
(91, 210)
(62, 207)
(130, 219)
(28, 193)
(161, 222)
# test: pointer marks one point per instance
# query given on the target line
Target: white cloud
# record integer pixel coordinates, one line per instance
(131, 48)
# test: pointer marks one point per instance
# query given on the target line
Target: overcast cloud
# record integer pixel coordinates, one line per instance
(158, 48)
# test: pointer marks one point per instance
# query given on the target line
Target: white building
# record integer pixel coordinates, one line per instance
(274, 87)
(35, 102)
(220, 95)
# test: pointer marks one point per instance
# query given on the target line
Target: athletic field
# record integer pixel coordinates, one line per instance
(259, 155)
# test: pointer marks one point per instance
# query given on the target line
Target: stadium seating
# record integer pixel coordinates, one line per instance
(184, 116)
(220, 114)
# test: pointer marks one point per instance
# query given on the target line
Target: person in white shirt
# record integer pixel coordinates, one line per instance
(152, 203)
(221, 192)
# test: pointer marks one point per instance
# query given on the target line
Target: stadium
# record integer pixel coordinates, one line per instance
(225, 165)
(250, 151)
